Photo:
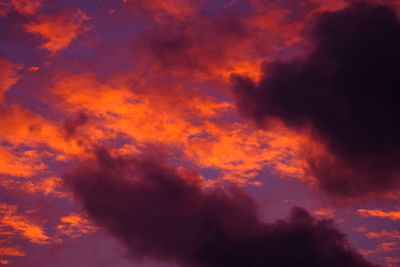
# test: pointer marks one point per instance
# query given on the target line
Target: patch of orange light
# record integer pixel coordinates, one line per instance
(33, 69)
(75, 225)
(31, 231)
(229, 148)
(384, 234)
(28, 7)
(11, 251)
(182, 121)
(240, 151)
(21, 127)
(8, 76)
(22, 164)
(382, 248)
(47, 186)
(388, 246)
(143, 117)
(392, 215)
(179, 9)
(326, 212)
(58, 31)
(249, 68)
(392, 261)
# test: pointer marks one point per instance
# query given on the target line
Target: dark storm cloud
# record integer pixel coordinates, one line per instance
(160, 213)
(348, 90)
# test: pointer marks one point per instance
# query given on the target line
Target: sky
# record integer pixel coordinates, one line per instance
(199, 133)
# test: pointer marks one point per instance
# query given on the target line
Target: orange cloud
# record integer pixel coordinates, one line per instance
(10, 219)
(143, 117)
(28, 7)
(384, 234)
(326, 212)
(392, 215)
(75, 225)
(47, 186)
(23, 128)
(179, 9)
(8, 76)
(240, 151)
(11, 251)
(382, 248)
(51, 186)
(23, 164)
(181, 121)
(388, 246)
(58, 31)
(392, 261)
(151, 110)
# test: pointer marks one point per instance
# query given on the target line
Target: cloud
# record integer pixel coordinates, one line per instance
(392, 261)
(326, 212)
(8, 76)
(161, 214)
(20, 163)
(29, 136)
(46, 186)
(11, 251)
(27, 7)
(204, 47)
(71, 125)
(74, 225)
(9, 217)
(392, 215)
(384, 234)
(233, 38)
(167, 9)
(345, 93)
(58, 30)
(191, 122)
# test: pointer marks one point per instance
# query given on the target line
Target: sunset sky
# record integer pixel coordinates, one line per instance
(168, 133)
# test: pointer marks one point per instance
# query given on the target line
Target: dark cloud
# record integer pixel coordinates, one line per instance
(200, 45)
(194, 46)
(161, 213)
(348, 91)
(71, 125)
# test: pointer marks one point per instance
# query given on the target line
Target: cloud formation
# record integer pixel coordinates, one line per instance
(8, 76)
(345, 93)
(162, 213)
(58, 30)
(11, 219)
(392, 215)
